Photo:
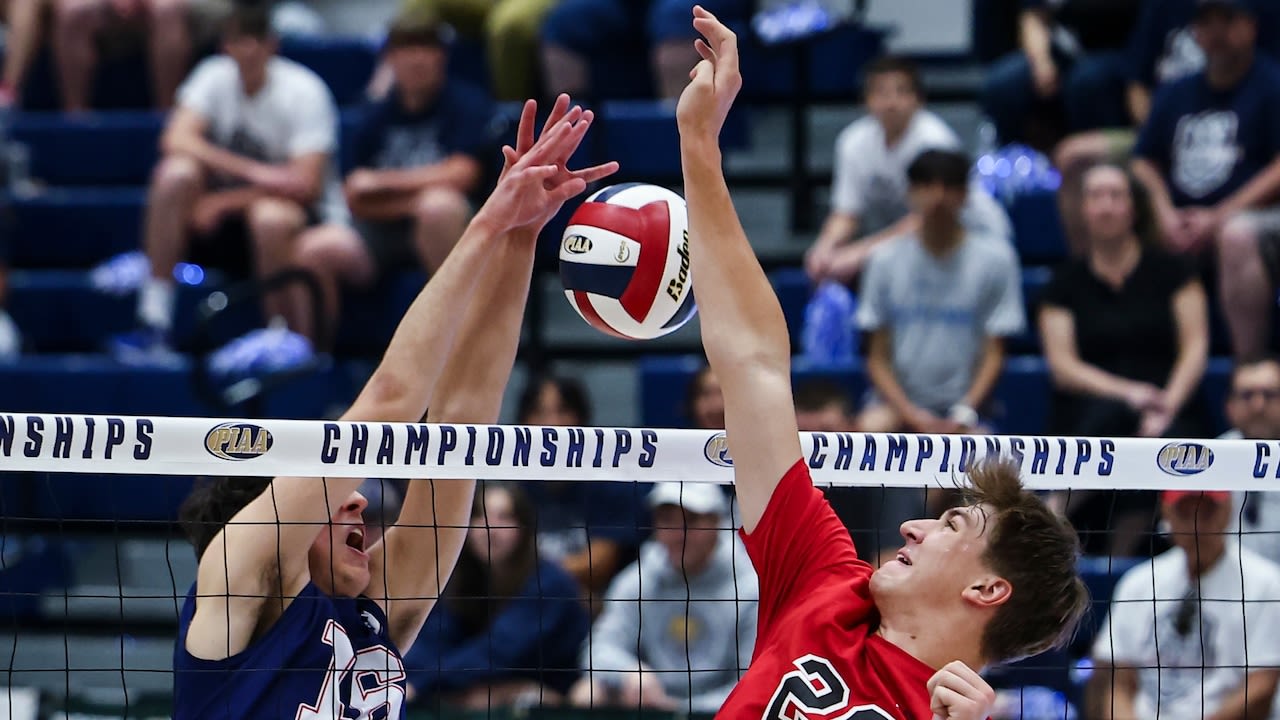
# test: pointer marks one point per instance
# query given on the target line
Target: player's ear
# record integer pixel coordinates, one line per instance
(988, 592)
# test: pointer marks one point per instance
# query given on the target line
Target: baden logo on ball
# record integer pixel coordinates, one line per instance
(624, 261)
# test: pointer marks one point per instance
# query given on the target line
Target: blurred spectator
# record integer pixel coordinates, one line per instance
(1253, 409)
(937, 305)
(1191, 633)
(510, 31)
(592, 529)
(703, 401)
(419, 154)
(578, 31)
(869, 190)
(823, 406)
(1125, 329)
(679, 625)
(1126, 335)
(1210, 155)
(85, 30)
(1072, 59)
(508, 625)
(245, 168)
(1162, 49)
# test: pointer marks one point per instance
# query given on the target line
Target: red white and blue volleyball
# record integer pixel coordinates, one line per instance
(624, 261)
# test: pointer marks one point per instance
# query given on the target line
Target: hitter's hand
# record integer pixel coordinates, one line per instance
(713, 83)
(956, 692)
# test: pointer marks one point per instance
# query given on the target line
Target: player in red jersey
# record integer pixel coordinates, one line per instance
(987, 582)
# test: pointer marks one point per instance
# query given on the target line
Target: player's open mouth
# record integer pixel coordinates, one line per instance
(355, 539)
(902, 558)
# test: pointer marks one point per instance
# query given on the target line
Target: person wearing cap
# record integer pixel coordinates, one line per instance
(1209, 154)
(679, 624)
(1192, 632)
(419, 157)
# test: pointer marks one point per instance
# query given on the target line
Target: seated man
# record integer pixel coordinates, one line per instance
(869, 188)
(246, 152)
(679, 624)
(1253, 409)
(1192, 632)
(1210, 156)
(937, 305)
(419, 155)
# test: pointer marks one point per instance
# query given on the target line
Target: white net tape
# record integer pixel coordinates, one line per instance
(208, 446)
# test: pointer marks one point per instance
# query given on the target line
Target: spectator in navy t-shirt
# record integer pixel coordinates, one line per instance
(1210, 156)
(419, 155)
(1162, 50)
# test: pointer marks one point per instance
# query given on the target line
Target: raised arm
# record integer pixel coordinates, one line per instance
(413, 563)
(743, 331)
(263, 551)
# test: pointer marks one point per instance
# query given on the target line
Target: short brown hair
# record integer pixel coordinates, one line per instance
(1037, 552)
(211, 505)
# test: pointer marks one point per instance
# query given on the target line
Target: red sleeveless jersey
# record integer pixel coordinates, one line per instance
(817, 656)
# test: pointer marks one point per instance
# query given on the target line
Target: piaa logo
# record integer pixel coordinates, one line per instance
(238, 441)
(717, 451)
(1184, 459)
(577, 244)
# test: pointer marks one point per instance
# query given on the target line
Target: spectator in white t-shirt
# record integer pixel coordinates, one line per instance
(1253, 408)
(869, 188)
(1193, 632)
(246, 167)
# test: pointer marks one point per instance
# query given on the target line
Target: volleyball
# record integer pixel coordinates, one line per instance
(624, 261)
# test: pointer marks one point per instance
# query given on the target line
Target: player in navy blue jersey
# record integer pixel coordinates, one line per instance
(293, 614)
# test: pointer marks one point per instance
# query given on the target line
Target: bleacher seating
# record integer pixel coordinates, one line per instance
(93, 170)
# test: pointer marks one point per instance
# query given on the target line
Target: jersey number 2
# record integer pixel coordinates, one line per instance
(358, 686)
(815, 689)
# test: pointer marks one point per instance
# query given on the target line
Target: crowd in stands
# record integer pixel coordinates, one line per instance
(1163, 117)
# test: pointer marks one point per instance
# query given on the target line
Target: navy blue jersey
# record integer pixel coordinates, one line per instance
(325, 658)
(1208, 143)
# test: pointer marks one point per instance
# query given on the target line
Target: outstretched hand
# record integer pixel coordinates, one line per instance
(714, 82)
(535, 181)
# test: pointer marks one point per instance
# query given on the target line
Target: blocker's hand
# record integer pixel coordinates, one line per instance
(714, 82)
(553, 151)
(956, 692)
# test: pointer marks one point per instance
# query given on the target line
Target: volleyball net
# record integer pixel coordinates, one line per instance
(94, 570)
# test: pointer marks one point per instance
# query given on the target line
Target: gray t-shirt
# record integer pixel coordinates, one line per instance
(940, 311)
